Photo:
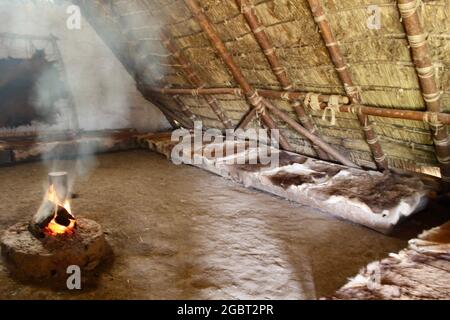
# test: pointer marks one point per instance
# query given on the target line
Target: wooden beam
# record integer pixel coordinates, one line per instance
(304, 132)
(258, 30)
(257, 102)
(246, 119)
(270, 94)
(192, 76)
(251, 94)
(421, 57)
(352, 108)
(395, 113)
(340, 65)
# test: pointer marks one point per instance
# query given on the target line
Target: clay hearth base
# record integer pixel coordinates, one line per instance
(30, 258)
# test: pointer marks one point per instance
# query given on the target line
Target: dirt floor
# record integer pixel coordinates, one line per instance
(178, 232)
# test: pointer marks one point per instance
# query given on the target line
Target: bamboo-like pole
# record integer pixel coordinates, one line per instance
(341, 67)
(444, 118)
(246, 119)
(192, 76)
(395, 113)
(278, 70)
(251, 94)
(420, 54)
(304, 132)
(270, 94)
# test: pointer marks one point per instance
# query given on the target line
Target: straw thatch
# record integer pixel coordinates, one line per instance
(379, 62)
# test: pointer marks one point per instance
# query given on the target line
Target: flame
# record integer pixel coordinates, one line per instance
(54, 228)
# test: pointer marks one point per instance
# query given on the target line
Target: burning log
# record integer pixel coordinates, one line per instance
(54, 216)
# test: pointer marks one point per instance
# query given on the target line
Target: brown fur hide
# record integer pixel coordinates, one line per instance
(422, 271)
(379, 192)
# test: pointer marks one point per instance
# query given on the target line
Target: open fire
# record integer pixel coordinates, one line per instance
(63, 221)
(53, 240)
(54, 217)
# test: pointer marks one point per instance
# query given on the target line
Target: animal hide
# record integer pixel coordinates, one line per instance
(378, 201)
(422, 271)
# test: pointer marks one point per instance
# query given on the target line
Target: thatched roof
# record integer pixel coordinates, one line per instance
(379, 62)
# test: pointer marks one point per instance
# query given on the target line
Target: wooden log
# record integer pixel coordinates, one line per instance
(342, 70)
(304, 132)
(277, 68)
(192, 76)
(42, 218)
(251, 94)
(248, 117)
(421, 57)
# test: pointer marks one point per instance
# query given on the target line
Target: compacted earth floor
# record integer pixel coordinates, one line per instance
(178, 232)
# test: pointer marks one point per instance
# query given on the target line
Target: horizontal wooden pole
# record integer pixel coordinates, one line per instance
(270, 94)
(444, 118)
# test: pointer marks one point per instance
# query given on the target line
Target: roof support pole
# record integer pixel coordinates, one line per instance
(251, 94)
(258, 102)
(277, 68)
(295, 125)
(420, 54)
(344, 75)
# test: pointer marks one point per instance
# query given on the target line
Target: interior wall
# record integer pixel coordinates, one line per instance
(104, 93)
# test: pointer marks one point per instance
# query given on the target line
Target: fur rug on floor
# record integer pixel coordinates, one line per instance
(421, 271)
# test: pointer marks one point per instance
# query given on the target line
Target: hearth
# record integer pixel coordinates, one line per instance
(54, 239)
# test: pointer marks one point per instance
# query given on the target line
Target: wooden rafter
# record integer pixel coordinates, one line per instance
(255, 100)
(421, 57)
(251, 94)
(322, 144)
(258, 30)
(192, 76)
(340, 65)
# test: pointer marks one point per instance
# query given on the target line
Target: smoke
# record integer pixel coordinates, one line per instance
(101, 96)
